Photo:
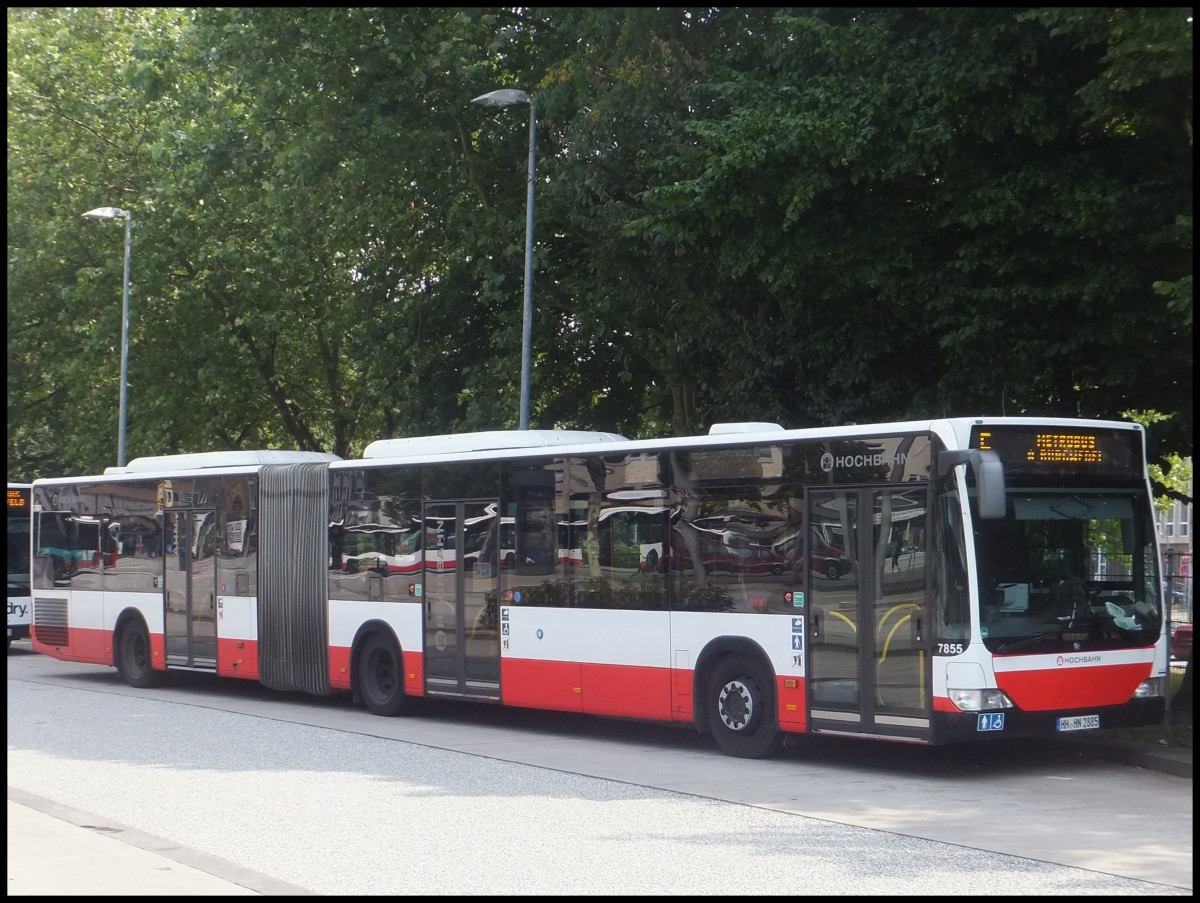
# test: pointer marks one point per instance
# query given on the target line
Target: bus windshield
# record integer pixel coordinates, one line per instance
(18, 553)
(1069, 570)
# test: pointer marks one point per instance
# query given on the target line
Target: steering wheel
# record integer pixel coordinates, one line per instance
(1073, 592)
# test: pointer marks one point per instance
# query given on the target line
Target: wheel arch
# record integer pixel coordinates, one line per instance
(132, 615)
(366, 630)
(711, 655)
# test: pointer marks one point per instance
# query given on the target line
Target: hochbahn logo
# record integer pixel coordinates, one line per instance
(829, 461)
(1079, 660)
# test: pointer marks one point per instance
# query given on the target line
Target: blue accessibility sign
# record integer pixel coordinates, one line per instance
(993, 721)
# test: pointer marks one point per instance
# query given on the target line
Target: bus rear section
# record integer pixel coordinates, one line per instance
(19, 606)
(159, 566)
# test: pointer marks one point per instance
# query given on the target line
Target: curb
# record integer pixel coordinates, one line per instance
(1174, 760)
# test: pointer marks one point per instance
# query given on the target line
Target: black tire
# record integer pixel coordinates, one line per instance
(741, 713)
(832, 570)
(131, 654)
(381, 676)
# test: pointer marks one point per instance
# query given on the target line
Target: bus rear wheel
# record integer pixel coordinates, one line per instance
(739, 715)
(381, 676)
(131, 652)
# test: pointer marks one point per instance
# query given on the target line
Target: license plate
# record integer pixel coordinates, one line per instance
(1079, 723)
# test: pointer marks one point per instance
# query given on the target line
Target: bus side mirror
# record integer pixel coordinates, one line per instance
(989, 478)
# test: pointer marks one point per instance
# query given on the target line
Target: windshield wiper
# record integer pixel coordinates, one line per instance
(1019, 644)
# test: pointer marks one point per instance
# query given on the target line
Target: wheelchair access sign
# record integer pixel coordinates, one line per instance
(991, 721)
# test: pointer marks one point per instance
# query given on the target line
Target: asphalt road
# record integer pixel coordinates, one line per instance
(279, 793)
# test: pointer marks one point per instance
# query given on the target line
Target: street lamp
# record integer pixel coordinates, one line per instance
(118, 213)
(507, 97)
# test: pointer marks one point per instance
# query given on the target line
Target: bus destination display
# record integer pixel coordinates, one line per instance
(1028, 450)
(18, 499)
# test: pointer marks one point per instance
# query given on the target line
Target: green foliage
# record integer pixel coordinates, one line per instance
(692, 595)
(626, 555)
(1171, 474)
(1175, 474)
(795, 214)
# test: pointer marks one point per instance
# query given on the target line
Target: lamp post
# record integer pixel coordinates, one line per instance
(118, 213)
(507, 97)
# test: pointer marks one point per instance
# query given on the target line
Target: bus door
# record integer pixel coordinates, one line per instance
(462, 578)
(189, 588)
(868, 667)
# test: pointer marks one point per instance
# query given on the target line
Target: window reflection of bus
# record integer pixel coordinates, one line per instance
(428, 544)
(482, 539)
(571, 535)
(69, 544)
(381, 548)
(629, 537)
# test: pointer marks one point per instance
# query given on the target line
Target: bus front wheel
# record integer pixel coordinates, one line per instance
(132, 654)
(381, 676)
(740, 716)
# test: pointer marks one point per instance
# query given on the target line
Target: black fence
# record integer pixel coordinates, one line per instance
(1177, 572)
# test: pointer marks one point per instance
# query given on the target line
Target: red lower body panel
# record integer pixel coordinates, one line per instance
(1072, 688)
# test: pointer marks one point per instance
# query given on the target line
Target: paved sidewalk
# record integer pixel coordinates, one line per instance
(54, 850)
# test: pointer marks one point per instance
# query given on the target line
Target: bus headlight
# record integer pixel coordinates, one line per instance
(979, 700)
(1148, 688)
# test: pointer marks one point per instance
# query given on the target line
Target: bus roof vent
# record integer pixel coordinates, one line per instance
(720, 429)
(491, 440)
(201, 460)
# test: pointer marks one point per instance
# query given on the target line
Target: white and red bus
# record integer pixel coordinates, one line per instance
(1026, 601)
(18, 561)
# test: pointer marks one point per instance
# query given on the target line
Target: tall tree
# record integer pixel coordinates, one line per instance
(932, 210)
(76, 141)
(809, 215)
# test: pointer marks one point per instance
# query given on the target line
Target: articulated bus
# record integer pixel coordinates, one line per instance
(18, 561)
(924, 582)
